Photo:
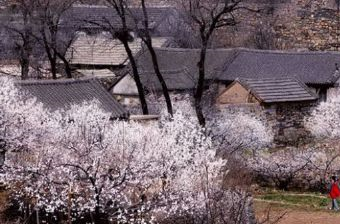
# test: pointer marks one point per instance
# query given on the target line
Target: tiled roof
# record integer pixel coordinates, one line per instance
(308, 67)
(100, 50)
(61, 94)
(179, 66)
(87, 17)
(278, 90)
(175, 80)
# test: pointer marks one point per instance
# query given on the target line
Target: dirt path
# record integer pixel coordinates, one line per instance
(296, 215)
(301, 217)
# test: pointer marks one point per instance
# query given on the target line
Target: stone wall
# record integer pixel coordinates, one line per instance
(285, 120)
(287, 24)
(280, 24)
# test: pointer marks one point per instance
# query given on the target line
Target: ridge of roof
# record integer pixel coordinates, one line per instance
(54, 81)
(170, 49)
(289, 52)
(250, 50)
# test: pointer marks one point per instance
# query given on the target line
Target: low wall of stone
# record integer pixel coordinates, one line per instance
(285, 120)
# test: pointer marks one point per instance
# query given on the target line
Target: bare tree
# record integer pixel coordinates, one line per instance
(144, 34)
(126, 15)
(123, 34)
(20, 29)
(49, 35)
(206, 16)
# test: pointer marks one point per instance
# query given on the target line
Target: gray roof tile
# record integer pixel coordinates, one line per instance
(61, 94)
(308, 67)
(93, 15)
(175, 80)
(101, 50)
(179, 66)
(278, 90)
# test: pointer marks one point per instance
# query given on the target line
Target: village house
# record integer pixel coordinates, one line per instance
(97, 52)
(317, 70)
(279, 87)
(282, 103)
(179, 69)
(92, 50)
(265, 92)
(282, 87)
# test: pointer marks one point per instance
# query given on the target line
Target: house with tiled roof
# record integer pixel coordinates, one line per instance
(318, 70)
(102, 52)
(179, 67)
(90, 50)
(61, 94)
(179, 70)
(266, 92)
(282, 86)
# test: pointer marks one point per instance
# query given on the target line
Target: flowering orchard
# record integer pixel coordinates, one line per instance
(77, 163)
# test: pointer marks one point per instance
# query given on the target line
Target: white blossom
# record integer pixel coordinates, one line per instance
(325, 119)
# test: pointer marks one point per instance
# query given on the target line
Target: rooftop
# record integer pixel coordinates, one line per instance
(179, 66)
(89, 17)
(278, 90)
(61, 94)
(309, 67)
(102, 50)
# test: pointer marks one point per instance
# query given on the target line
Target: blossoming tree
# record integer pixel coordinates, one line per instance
(128, 171)
(324, 120)
(19, 115)
(77, 164)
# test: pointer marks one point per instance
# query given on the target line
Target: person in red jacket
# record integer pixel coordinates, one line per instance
(334, 192)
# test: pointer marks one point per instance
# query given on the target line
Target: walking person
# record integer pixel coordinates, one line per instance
(334, 192)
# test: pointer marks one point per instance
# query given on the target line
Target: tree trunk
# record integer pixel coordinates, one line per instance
(25, 48)
(200, 85)
(24, 62)
(146, 37)
(124, 36)
(161, 79)
(68, 69)
(136, 77)
(50, 53)
(53, 68)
